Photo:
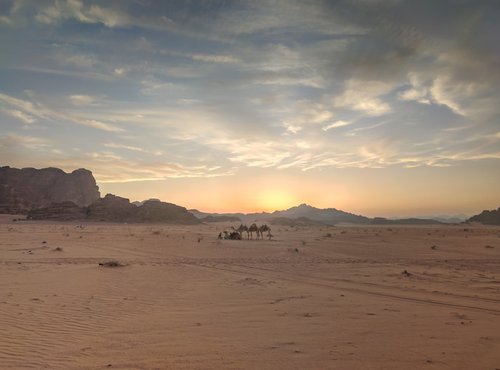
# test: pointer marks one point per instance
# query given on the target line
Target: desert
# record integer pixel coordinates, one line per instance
(313, 297)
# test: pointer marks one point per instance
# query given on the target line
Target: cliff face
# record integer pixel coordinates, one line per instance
(24, 189)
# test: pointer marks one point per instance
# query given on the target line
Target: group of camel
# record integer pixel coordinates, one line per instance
(237, 233)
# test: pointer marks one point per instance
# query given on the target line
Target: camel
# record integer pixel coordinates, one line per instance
(233, 235)
(242, 228)
(262, 229)
(253, 227)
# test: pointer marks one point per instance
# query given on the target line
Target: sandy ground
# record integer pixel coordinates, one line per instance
(305, 300)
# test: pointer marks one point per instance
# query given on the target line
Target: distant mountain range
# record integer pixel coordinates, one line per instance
(306, 214)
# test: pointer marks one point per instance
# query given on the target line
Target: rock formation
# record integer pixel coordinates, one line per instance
(64, 211)
(487, 217)
(156, 211)
(112, 208)
(24, 189)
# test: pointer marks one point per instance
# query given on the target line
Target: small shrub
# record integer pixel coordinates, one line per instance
(58, 249)
(111, 263)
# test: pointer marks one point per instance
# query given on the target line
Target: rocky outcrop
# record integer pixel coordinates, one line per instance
(64, 211)
(24, 189)
(112, 208)
(156, 211)
(487, 217)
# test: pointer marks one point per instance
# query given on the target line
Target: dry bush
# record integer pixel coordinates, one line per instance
(111, 263)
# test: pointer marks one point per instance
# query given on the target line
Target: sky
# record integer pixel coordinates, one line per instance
(382, 108)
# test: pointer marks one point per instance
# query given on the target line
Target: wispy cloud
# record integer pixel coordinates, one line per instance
(336, 124)
(24, 117)
(83, 100)
(28, 110)
(60, 11)
(123, 146)
(365, 96)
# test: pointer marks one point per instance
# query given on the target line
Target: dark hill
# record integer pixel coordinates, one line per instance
(112, 208)
(328, 216)
(487, 217)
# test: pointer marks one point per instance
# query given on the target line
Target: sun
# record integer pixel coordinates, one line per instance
(274, 199)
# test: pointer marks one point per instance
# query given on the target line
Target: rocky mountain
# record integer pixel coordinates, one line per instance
(28, 188)
(327, 216)
(112, 208)
(487, 217)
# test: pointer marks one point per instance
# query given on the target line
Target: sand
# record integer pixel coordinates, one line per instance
(305, 300)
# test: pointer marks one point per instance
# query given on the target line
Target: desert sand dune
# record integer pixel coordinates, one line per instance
(312, 298)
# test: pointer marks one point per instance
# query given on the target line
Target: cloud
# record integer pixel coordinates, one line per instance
(444, 93)
(12, 141)
(122, 146)
(418, 91)
(336, 124)
(365, 96)
(26, 118)
(83, 100)
(119, 71)
(28, 110)
(5, 20)
(61, 11)
(214, 58)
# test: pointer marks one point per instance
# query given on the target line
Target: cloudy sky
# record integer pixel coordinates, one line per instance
(376, 107)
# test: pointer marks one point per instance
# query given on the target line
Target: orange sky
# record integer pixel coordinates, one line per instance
(371, 192)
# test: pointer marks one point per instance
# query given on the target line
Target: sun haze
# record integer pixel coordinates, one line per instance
(380, 108)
